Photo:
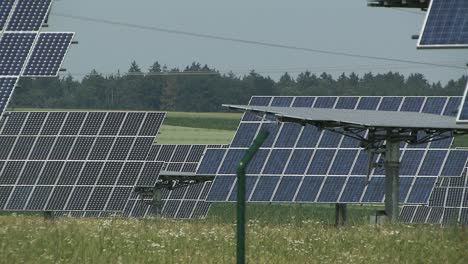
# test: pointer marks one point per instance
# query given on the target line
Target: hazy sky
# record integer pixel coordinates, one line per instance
(342, 26)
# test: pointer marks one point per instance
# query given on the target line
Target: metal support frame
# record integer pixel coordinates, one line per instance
(340, 214)
(392, 175)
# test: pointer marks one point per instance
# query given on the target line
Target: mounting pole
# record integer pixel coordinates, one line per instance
(392, 183)
(157, 201)
(241, 170)
(340, 214)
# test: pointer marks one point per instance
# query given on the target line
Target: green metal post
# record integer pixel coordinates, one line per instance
(262, 136)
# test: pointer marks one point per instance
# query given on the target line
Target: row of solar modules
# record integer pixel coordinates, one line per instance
(58, 173)
(448, 204)
(186, 202)
(304, 164)
(445, 25)
(179, 158)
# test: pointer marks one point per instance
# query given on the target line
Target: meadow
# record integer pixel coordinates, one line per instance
(276, 233)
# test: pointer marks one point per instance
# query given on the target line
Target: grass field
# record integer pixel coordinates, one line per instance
(275, 234)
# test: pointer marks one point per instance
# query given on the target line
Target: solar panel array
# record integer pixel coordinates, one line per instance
(446, 25)
(75, 161)
(187, 202)
(305, 164)
(23, 50)
(448, 204)
(179, 158)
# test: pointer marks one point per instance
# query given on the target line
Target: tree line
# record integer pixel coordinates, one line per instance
(161, 88)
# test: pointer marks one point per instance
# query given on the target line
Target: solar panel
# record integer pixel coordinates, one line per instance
(67, 171)
(445, 25)
(48, 54)
(448, 204)
(28, 15)
(306, 164)
(182, 203)
(14, 49)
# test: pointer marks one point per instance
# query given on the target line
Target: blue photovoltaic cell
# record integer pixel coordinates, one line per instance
(331, 189)
(434, 105)
(288, 135)
(265, 187)
(452, 106)
(19, 197)
(346, 102)
(410, 162)
(245, 135)
(309, 137)
(6, 88)
(220, 188)
(343, 162)
(282, 101)
(321, 162)
(256, 165)
(211, 161)
(405, 185)
(260, 101)
(362, 163)
(412, 104)
(299, 161)
(390, 103)
(287, 189)
(432, 162)
(421, 190)
(325, 102)
(309, 189)
(330, 139)
(375, 190)
(48, 54)
(28, 15)
(303, 102)
(231, 161)
(5, 8)
(446, 24)
(277, 161)
(455, 163)
(368, 103)
(454, 197)
(353, 190)
(249, 185)
(14, 48)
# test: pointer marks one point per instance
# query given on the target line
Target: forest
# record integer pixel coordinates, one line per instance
(198, 88)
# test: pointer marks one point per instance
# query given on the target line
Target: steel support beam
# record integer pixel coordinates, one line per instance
(392, 183)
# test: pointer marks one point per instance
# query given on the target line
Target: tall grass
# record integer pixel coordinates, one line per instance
(286, 236)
